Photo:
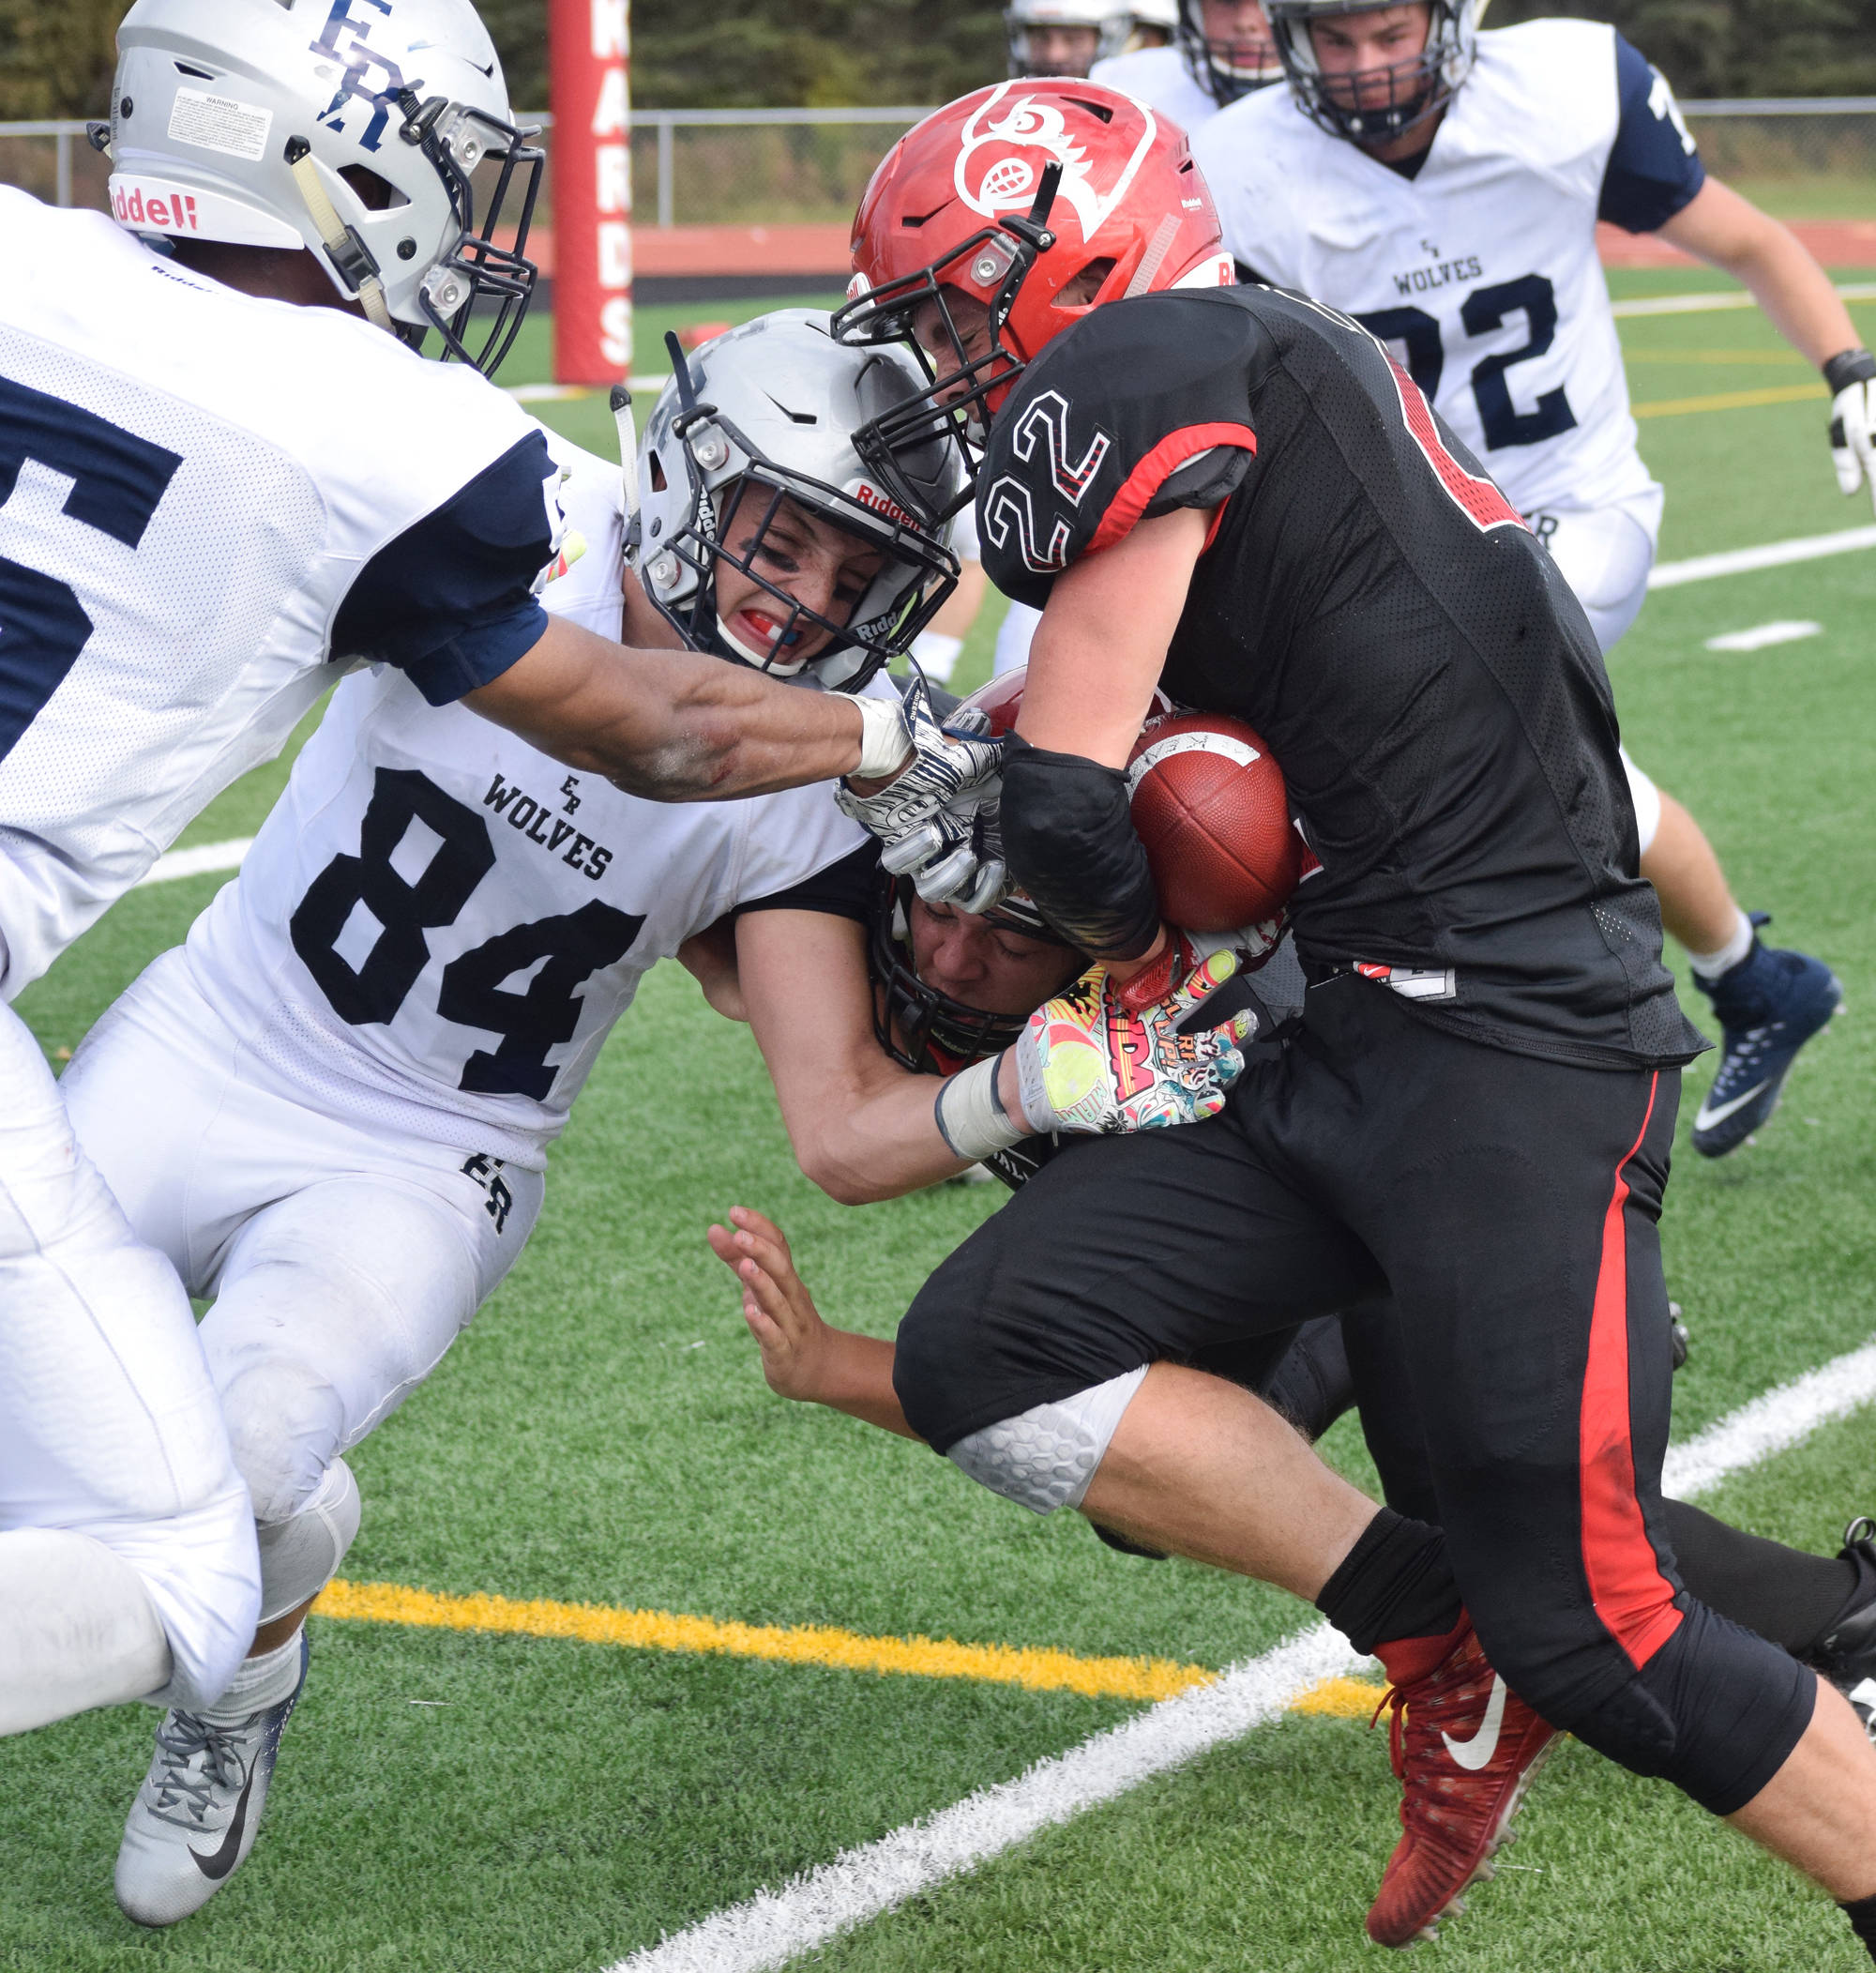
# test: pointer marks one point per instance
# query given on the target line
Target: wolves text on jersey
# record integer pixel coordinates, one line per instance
(539, 824)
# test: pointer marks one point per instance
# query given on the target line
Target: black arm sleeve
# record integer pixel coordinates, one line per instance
(1067, 833)
(450, 600)
(849, 888)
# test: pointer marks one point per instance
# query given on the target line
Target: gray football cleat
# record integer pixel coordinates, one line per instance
(195, 1819)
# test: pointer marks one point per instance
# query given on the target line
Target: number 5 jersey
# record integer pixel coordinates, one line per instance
(210, 504)
(1480, 271)
(438, 924)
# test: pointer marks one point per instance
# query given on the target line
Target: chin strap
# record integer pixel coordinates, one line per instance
(348, 253)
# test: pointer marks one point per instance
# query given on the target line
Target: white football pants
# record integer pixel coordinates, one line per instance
(1605, 554)
(109, 1425)
(343, 1258)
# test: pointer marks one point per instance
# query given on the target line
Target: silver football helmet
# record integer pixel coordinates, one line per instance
(1414, 89)
(763, 418)
(1111, 21)
(350, 127)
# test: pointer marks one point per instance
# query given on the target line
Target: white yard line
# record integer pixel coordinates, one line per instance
(199, 861)
(774, 1927)
(1728, 298)
(1768, 555)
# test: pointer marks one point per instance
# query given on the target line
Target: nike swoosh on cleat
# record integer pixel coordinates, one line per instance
(217, 1866)
(1476, 1753)
(1711, 1113)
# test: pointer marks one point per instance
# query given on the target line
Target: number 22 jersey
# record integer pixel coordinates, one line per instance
(1480, 273)
(438, 924)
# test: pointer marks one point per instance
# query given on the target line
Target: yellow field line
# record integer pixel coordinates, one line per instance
(1731, 399)
(794, 1644)
(806, 1643)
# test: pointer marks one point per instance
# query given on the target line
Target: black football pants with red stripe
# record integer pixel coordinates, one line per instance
(1510, 1204)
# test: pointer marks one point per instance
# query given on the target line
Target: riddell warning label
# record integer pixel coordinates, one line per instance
(218, 123)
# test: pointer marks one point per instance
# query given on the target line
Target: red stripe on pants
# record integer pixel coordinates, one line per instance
(1631, 1594)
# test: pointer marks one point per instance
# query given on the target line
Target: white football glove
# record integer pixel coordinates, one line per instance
(1851, 378)
(1087, 1063)
(927, 816)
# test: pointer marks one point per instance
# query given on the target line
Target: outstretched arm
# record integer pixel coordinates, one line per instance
(1728, 232)
(802, 1356)
(675, 725)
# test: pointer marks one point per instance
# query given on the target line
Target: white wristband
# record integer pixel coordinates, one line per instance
(885, 746)
(970, 1114)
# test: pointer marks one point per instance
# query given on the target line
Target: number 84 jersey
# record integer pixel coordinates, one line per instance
(438, 924)
(1480, 272)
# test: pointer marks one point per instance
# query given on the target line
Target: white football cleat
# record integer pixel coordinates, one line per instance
(195, 1819)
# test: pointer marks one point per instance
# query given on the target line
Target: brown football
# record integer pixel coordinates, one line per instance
(1211, 808)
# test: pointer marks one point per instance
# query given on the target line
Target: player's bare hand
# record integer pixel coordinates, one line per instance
(781, 1315)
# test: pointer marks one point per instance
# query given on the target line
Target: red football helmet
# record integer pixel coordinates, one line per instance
(1036, 201)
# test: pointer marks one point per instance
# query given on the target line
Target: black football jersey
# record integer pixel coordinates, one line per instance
(1372, 605)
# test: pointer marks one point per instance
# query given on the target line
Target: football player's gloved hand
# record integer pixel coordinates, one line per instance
(926, 817)
(1851, 379)
(1086, 1063)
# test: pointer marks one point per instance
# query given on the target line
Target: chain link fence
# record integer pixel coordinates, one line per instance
(1803, 158)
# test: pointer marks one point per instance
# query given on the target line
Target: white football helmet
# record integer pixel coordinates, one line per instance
(350, 128)
(771, 409)
(1157, 19)
(1111, 21)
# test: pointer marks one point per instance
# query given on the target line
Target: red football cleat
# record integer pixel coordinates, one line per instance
(1465, 1747)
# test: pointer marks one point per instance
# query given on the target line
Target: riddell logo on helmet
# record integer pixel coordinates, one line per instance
(1005, 153)
(871, 497)
(166, 212)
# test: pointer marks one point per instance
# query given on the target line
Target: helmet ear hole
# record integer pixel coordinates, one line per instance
(1080, 289)
(659, 482)
(375, 194)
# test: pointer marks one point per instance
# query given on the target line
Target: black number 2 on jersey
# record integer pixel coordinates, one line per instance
(1483, 310)
(560, 954)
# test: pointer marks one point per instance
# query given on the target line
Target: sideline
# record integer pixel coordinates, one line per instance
(765, 1932)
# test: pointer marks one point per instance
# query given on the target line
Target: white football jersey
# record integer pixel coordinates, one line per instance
(204, 498)
(1161, 79)
(438, 924)
(1481, 273)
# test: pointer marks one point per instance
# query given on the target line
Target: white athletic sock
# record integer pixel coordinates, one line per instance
(262, 1681)
(76, 1629)
(937, 655)
(1710, 965)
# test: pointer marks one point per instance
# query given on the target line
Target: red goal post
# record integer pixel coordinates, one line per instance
(589, 53)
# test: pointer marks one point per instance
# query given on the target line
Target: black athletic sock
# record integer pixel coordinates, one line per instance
(1395, 1582)
(1862, 1917)
(1791, 1598)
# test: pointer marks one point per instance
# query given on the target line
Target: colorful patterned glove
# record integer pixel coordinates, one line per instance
(1086, 1063)
(926, 817)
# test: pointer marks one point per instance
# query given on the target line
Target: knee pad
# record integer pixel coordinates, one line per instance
(301, 1555)
(286, 1425)
(1044, 1458)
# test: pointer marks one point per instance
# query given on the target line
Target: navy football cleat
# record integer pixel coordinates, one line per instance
(1768, 1006)
(1847, 1655)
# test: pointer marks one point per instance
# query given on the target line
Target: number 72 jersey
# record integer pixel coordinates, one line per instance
(1480, 273)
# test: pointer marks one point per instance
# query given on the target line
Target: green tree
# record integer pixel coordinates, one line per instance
(55, 59)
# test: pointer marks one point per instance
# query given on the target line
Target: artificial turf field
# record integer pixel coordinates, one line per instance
(454, 1798)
